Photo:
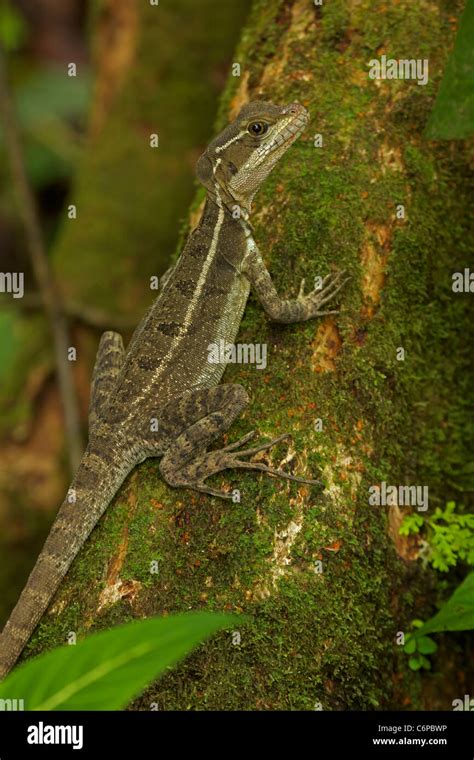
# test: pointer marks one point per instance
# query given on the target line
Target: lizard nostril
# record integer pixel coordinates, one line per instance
(294, 109)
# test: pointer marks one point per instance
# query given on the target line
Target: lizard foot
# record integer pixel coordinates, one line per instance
(194, 475)
(331, 285)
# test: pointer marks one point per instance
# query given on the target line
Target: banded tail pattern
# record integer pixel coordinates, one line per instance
(97, 480)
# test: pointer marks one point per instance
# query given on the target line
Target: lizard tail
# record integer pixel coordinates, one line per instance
(97, 480)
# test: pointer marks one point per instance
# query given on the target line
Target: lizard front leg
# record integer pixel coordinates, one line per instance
(192, 422)
(302, 308)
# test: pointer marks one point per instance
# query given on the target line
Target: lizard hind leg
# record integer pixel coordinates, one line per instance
(108, 363)
(216, 461)
(187, 464)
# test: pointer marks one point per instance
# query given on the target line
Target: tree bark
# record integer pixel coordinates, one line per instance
(157, 69)
(325, 576)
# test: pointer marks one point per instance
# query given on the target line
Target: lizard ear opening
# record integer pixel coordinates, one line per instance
(204, 172)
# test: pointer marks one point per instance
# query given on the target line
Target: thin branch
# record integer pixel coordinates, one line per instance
(36, 249)
(91, 316)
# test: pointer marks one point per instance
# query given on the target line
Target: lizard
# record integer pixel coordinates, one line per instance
(163, 397)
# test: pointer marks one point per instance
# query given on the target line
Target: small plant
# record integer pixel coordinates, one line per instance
(448, 536)
(108, 669)
(418, 647)
(456, 614)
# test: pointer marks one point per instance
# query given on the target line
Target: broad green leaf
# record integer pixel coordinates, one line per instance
(458, 612)
(453, 113)
(414, 663)
(426, 645)
(108, 669)
(410, 646)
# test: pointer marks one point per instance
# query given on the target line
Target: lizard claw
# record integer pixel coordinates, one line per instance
(240, 442)
(232, 460)
(331, 285)
(264, 446)
(213, 462)
(202, 488)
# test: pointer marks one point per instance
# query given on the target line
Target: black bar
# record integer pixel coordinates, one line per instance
(309, 734)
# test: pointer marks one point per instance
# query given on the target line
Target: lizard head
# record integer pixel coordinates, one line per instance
(237, 162)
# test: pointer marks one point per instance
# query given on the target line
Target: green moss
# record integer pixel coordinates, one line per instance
(335, 21)
(325, 637)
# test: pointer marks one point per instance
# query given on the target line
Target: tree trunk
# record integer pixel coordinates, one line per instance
(158, 69)
(375, 394)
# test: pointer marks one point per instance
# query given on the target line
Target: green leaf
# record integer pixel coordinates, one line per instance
(425, 663)
(458, 612)
(414, 663)
(450, 537)
(453, 113)
(426, 645)
(108, 669)
(410, 646)
(439, 563)
(412, 523)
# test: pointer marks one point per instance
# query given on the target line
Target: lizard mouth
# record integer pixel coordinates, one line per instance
(292, 121)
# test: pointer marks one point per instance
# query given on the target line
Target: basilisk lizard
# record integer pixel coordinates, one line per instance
(162, 397)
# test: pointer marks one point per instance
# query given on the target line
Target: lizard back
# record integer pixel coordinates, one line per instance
(201, 304)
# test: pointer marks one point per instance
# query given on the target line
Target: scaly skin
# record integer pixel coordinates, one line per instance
(162, 398)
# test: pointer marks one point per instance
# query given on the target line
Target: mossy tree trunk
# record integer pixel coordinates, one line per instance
(158, 69)
(326, 584)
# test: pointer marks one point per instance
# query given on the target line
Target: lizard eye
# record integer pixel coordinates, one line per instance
(258, 128)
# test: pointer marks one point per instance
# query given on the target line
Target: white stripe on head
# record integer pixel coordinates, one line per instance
(229, 142)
